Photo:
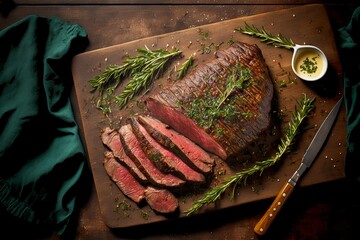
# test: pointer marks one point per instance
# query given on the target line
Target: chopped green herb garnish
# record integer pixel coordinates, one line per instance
(217, 46)
(206, 49)
(282, 84)
(309, 65)
(212, 103)
(204, 34)
(230, 42)
(144, 215)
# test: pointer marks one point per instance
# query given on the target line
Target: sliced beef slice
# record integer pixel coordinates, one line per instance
(161, 200)
(133, 149)
(110, 137)
(187, 150)
(123, 178)
(251, 104)
(165, 160)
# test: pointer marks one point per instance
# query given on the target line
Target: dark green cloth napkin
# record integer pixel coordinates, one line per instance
(350, 52)
(41, 154)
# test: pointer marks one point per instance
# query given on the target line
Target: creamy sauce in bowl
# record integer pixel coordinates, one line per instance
(309, 63)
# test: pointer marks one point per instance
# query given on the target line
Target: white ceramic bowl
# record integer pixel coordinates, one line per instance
(309, 62)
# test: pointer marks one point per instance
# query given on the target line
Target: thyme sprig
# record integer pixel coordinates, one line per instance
(141, 69)
(211, 103)
(185, 67)
(305, 106)
(235, 81)
(266, 37)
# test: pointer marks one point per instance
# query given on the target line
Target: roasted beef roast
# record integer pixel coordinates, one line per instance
(222, 105)
(218, 109)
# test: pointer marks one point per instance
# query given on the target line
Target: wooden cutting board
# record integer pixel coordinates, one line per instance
(306, 24)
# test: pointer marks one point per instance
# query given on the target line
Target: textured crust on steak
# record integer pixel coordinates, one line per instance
(255, 99)
(123, 178)
(133, 149)
(163, 158)
(188, 151)
(111, 138)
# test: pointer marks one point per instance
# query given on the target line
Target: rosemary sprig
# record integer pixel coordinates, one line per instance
(141, 69)
(147, 66)
(285, 145)
(211, 104)
(238, 76)
(268, 38)
(185, 67)
(112, 72)
(106, 83)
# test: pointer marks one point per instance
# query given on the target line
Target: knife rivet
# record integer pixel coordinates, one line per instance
(274, 209)
(284, 194)
(270, 215)
(261, 229)
(279, 203)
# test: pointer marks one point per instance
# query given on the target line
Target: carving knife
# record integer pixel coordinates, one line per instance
(308, 158)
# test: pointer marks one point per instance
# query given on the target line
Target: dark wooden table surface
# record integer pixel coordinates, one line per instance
(326, 211)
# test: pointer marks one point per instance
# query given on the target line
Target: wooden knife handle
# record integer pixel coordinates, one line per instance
(263, 225)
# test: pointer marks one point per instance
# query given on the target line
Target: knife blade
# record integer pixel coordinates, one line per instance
(310, 155)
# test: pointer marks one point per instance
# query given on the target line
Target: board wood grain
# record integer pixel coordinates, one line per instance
(306, 24)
